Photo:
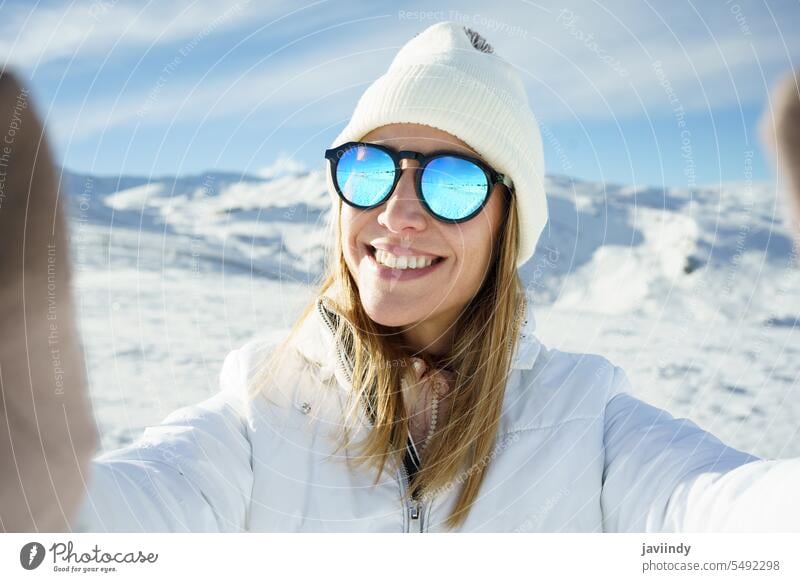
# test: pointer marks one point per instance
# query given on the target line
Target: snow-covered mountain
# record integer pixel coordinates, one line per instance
(269, 226)
(711, 253)
(696, 293)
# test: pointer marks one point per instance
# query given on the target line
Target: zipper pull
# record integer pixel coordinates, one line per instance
(415, 511)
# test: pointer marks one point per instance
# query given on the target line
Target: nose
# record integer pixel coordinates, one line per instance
(403, 210)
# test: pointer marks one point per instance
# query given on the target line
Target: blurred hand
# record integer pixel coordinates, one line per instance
(47, 435)
(780, 134)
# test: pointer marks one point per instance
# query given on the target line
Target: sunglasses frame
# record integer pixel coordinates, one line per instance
(492, 177)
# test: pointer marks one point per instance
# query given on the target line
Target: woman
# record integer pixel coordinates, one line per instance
(412, 394)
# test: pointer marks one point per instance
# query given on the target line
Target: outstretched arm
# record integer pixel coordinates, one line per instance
(666, 474)
(192, 472)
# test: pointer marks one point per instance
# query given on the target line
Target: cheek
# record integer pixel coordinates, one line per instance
(477, 242)
(473, 247)
(353, 224)
(349, 225)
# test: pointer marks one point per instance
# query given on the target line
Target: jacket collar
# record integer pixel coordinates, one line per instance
(315, 340)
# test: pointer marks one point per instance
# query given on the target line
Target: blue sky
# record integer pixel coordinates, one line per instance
(636, 92)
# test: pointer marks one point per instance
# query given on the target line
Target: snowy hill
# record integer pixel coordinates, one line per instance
(695, 292)
(607, 249)
(271, 226)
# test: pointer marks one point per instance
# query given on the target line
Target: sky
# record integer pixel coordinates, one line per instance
(638, 92)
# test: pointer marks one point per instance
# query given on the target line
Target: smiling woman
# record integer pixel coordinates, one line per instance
(412, 394)
(461, 254)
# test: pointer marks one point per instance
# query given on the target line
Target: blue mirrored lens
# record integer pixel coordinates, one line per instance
(365, 175)
(454, 188)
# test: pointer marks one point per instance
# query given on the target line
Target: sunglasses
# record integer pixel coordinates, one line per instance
(452, 187)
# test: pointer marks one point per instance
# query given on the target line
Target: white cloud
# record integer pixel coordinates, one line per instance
(87, 29)
(284, 84)
(570, 62)
(566, 74)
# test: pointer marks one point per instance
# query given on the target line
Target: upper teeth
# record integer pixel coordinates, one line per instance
(396, 262)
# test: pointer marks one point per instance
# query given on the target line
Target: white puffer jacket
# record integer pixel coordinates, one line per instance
(576, 452)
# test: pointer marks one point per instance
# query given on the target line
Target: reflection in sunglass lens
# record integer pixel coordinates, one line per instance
(454, 188)
(365, 175)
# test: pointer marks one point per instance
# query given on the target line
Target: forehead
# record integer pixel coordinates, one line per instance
(420, 138)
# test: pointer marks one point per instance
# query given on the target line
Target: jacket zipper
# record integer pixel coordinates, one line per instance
(414, 508)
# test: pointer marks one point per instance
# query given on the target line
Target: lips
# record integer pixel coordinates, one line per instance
(393, 276)
(401, 249)
(371, 251)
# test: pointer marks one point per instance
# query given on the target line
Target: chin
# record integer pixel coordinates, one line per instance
(388, 311)
(389, 319)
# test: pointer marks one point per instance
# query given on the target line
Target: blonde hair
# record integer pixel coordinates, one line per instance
(484, 343)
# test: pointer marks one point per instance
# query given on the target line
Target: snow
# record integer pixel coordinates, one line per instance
(693, 292)
(135, 197)
(284, 165)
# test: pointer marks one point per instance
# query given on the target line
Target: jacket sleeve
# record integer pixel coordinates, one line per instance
(665, 474)
(192, 472)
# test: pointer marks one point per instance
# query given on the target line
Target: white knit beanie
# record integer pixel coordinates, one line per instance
(448, 77)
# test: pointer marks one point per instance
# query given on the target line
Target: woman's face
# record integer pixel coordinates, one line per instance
(425, 302)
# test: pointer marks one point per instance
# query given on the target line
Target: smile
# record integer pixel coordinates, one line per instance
(400, 268)
(394, 262)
